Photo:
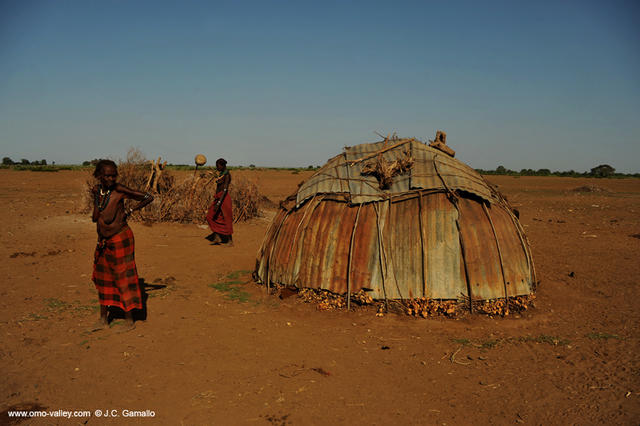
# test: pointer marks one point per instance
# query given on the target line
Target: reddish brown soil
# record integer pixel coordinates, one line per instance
(200, 358)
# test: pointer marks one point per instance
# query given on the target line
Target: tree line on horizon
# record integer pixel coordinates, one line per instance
(6, 161)
(600, 171)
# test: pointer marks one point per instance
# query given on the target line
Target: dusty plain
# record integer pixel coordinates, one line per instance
(205, 356)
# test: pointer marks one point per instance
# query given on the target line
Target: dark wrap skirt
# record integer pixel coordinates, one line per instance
(222, 221)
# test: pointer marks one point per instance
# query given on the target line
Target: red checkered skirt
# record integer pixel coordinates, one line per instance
(115, 274)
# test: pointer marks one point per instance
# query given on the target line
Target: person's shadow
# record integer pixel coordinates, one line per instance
(138, 314)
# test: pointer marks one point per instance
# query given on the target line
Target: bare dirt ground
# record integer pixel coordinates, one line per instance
(205, 355)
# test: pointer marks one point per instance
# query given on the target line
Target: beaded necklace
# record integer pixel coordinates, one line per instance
(102, 200)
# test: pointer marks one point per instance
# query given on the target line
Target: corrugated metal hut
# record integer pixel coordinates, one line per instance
(402, 220)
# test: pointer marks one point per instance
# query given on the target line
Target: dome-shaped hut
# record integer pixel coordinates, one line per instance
(401, 220)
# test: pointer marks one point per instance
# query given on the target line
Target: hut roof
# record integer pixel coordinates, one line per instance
(431, 169)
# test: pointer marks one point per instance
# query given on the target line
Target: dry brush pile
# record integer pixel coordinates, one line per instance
(185, 201)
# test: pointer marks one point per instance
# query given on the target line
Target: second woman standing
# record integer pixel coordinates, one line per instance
(220, 214)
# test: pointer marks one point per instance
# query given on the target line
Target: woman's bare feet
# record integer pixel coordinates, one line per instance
(129, 324)
(100, 324)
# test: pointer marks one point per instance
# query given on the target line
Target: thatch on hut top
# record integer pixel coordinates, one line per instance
(400, 219)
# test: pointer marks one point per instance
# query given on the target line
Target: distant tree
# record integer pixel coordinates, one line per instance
(543, 172)
(603, 170)
(252, 166)
(500, 170)
(7, 161)
(43, 162)
(24, 161)
(86, 163)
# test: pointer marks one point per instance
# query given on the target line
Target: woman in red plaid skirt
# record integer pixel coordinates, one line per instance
(114, 268)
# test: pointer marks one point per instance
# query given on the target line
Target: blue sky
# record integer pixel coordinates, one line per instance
(521, 84)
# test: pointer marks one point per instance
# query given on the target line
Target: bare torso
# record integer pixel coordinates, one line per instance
(224, 182)
(109, 212)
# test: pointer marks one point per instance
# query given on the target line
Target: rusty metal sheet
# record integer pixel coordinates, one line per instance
(331, 178)
(402, 231)
(459, 176)
(280, 267)
(324, 253)
(270, 240)
(309, 248)
(324, 258)
(299, 238)
(363, 189)
(480, 252)
(515, 260)
(405, 248)
(432, 169)
(366, 188)
(383, 284)
(334, 264)
(365, 261)
(443, 256)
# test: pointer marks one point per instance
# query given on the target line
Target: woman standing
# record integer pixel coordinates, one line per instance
(114, 268)
(220, 215)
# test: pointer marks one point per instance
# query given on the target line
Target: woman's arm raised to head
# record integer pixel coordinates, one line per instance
(144, 198)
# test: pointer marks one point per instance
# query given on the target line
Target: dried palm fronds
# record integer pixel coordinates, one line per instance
(424, 307)
(417, 307)
(362, 298)
(324, 299)
(504, 307)
(385, 170)
(327, 300)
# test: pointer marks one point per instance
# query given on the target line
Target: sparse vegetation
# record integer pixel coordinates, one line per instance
(544, 338)
(602, 336)
(57, 306)
(34, 317)
(493, 343)
(231, 287)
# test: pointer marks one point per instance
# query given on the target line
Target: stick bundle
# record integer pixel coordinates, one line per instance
(385, 170)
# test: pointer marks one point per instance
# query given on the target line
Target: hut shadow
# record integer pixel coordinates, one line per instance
(138, 314)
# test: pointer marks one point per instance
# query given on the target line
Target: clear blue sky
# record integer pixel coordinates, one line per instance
(532, 84)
